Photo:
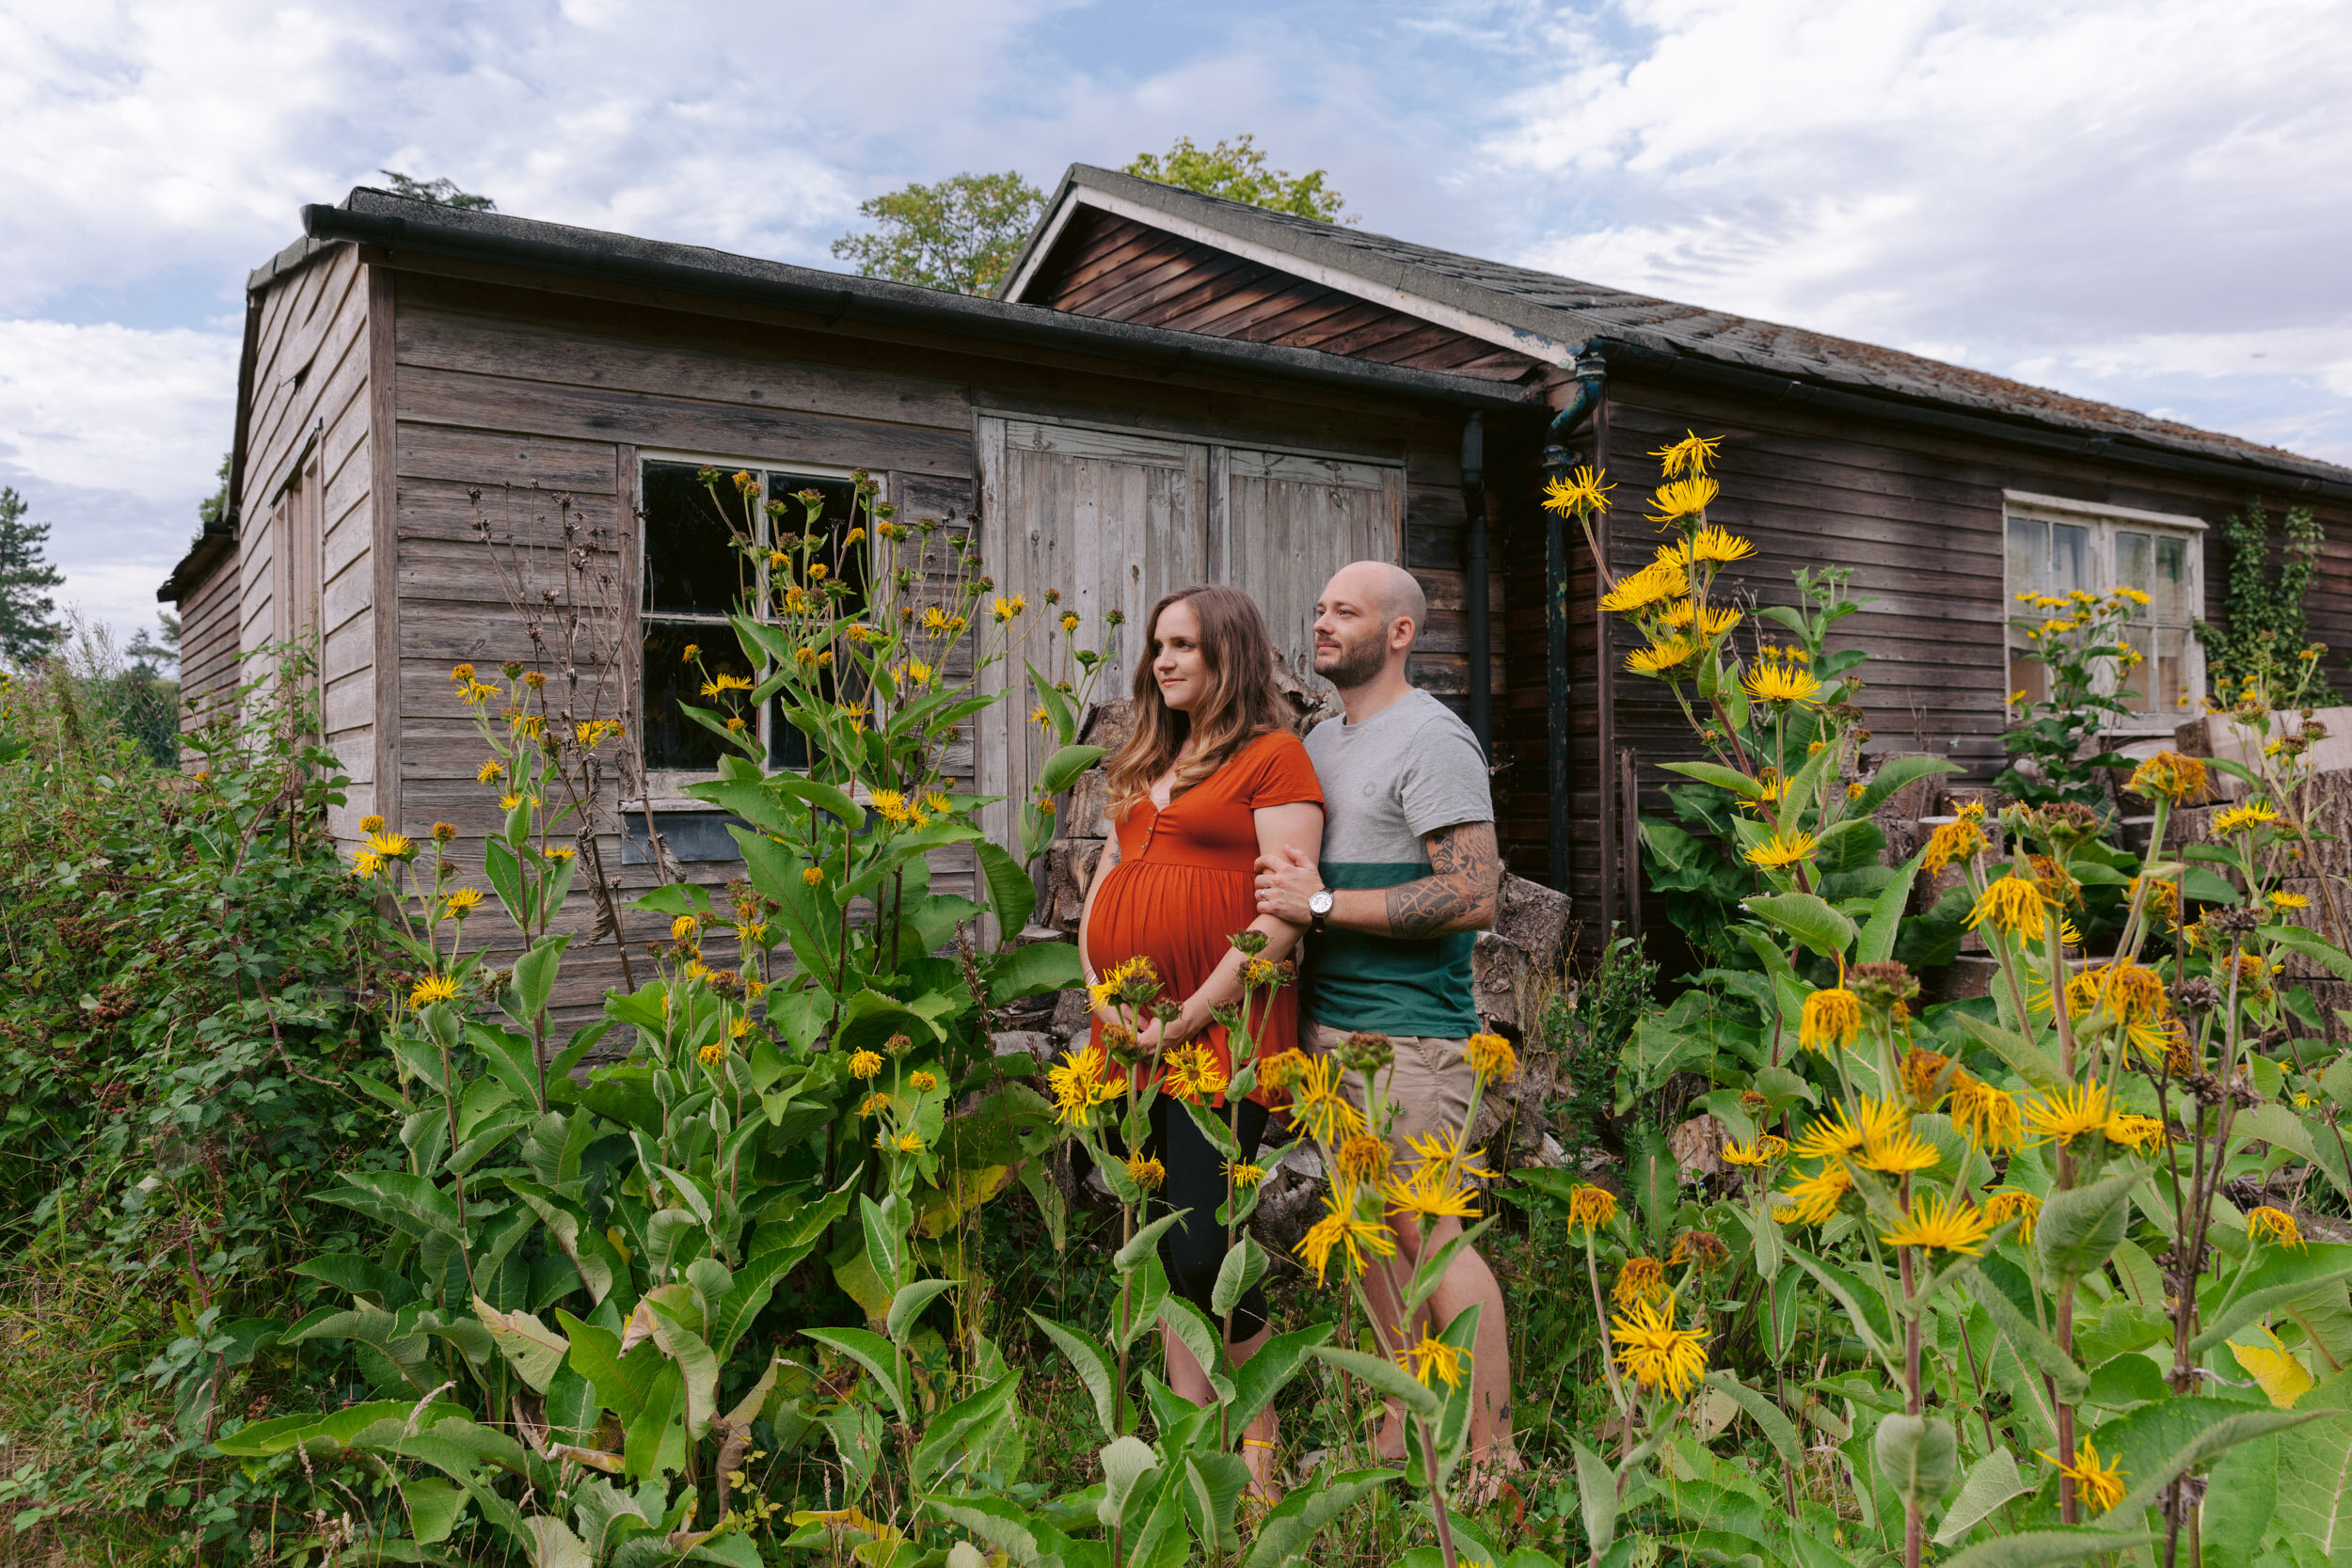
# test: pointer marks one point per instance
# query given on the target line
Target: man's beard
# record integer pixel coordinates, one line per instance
(1353, 664)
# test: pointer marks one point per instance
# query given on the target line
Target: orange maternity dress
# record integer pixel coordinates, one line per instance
(1186, 881)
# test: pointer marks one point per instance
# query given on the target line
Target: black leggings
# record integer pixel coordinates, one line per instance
(1193, 1249)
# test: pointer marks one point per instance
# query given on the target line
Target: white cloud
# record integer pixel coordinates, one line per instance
(2123, 197)
(115, 407)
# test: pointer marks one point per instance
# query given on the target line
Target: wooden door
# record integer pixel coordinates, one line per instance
(1112, 521)
(1283, 523)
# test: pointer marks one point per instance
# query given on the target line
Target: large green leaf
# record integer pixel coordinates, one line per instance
(1596, 1496)
(1062, 769)
(1992, 1481)
(1719, 776)
(408, 1203)
(1011, 893)
(957, 1435)
(1770, 1419)
(2159, 1441)
(2315, 1498)
(1877, 943)
(2080, 1228)
(1916, 1455)
(1096, 1368)
(2311, 945)
(2045, 1548)
(1386, 1377)
(1258, 1380)
(283, 1433)
(533, 1349)
(1893, 774)
(2034, 1347)
(1807, 918)
(2027, 1059)
(2282, 1275)
(1033, 970)
(1287, 1532)
(873, 1353)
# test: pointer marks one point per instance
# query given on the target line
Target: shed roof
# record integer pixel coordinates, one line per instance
(1544, 311)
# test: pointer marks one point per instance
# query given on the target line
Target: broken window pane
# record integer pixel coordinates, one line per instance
(672, 741)
(691, 564)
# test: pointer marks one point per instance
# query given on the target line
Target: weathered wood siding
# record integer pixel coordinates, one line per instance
(208, 650)
(305, 558)
(497, 386)
(1918, 517)
(1111, 266)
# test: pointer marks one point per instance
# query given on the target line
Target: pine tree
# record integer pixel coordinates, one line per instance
(26, 632)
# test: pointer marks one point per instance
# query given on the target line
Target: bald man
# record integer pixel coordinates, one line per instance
(1408, 875)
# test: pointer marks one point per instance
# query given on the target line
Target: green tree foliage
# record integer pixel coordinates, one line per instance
(1237, 172)
(26, 632)
(441, 193)
(210, 511)
(2263, 633)
(959, 234)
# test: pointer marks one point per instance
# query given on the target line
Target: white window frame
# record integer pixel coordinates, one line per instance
(666, 786)
(2104, 523)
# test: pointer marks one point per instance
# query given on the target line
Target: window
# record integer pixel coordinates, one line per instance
(2058, 546)
(694, 577)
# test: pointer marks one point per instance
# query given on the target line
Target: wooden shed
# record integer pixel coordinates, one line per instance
(1945, 490)
(1171, 388)
(408, 367)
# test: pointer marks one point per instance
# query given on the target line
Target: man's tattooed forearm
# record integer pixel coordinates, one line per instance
(1459, 891)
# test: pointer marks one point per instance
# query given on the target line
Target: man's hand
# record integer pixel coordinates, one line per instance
(1285, 882)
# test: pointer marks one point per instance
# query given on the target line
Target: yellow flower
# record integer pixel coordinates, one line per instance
(1362, 1158)
(491, 770)
(432, 989)
(1339, 1230)
(1317, 1104)
(1194, 1072)
(1719, 546)
(1581, 491)
(1146, 1172)
(1432, 1357)
(1069, 621)
(2169, 776)
(366, 863)
(923, 1083)
(1780, 682)
(2273, 1225)
(910, 1142)
(684, 928)
(1986, 1116)
(2286, 901)
(2102, 1487)
(1941, 1225)
(1957, 840)
(1491, 1056)
(2013, 904)
(1777, 853)
(1713, 622)
(371, 824)
(2010, 1204)
(751, 933)
(1438, 1187)
(874, 1104)
(461, 903)
(2245, 818)
(2072, 1113)
(1689, 455)
(1656, 1352)
(1281, 1070)
(812, 876)
(1245, 1175)
(916, 673)
(1831, 1137)
(390, 846)
(1814, 1199)
(461, 673)
(1744, 1153)
(1653, 584)
(1832, 1019)
(713, 1054)
(2139, 1133)
(725, 684)
(1658, 657)
(1643, 1278)
(508, 802)
(1682, 497)
(865, 1064)
(1078, 1086)
(1898, 1154)
(1590, 1207)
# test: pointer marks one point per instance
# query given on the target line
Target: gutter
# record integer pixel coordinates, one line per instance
(833, 297)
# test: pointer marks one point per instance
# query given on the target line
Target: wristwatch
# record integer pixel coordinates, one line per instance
(1319, 907)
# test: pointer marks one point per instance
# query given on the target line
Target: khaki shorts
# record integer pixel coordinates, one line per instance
(1429, 1083)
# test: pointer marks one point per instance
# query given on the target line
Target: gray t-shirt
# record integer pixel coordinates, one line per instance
(1408, 770)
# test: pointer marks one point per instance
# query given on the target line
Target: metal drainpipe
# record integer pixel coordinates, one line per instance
(1563, 452)
(1476, 587)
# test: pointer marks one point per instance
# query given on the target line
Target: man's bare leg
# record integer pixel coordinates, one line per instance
(1258, 1442)
(1467, 1281)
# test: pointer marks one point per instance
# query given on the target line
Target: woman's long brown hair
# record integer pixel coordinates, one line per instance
(1241, 704)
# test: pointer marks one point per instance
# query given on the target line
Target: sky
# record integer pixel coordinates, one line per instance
(2141, 202)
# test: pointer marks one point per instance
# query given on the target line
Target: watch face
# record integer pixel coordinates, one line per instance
(1320, 903)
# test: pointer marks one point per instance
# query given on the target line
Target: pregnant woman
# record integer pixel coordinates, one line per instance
(1210, 781)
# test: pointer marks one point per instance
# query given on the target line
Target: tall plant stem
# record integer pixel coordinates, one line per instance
(1126, 1283)
(1913, 1543)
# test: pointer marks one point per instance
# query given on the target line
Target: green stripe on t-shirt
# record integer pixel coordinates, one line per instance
(1396, 985)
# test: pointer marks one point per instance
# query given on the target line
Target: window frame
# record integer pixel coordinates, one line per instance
(666, 787)
(2103, 522)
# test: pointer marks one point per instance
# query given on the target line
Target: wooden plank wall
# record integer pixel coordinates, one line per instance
(1114, 267)
(496, 386)
(308, 429)
(1917, 516)
(208, 649)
